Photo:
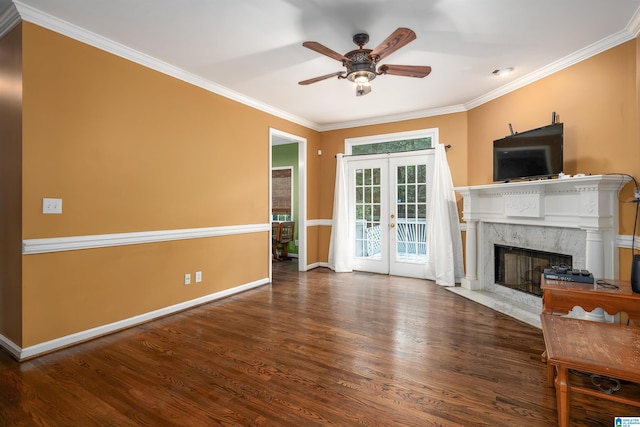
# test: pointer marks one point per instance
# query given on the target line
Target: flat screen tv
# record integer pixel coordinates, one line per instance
(536, 153)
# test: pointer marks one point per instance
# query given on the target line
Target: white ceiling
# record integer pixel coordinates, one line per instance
(251, 50)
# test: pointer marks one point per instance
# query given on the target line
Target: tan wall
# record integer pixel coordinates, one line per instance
(10, 185)
(129, 149)
(69, 292)
(596, 99)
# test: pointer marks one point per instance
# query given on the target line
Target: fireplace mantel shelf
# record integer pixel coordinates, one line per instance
(586, 204)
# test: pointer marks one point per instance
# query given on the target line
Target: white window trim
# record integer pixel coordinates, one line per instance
(349, 143)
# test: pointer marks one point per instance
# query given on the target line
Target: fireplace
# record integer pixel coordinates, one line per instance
(576, 217)
(521, 268)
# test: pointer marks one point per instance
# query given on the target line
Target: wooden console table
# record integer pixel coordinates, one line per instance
(593, 347)
(559, 297)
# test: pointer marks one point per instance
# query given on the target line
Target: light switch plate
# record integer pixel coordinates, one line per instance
(51, 206)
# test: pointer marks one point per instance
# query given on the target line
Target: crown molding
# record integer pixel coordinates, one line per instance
(9, 18)
(420, 114)
(576, 57)
(75, 32)
(633, 27)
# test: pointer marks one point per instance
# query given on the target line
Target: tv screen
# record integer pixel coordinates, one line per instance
(536, 153)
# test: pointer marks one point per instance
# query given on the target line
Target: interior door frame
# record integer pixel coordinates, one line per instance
(349, 143)
(277, 137)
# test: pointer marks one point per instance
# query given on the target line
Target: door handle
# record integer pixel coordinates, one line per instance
(392, 225)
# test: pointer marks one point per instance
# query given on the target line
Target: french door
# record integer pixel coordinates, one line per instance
(388, 205)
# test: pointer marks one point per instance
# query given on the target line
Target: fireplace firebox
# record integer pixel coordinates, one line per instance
(521, 269)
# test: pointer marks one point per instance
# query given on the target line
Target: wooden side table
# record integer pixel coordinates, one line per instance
(559, 297)
(593, 347)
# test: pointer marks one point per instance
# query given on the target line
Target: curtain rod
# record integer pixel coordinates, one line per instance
(373, 154)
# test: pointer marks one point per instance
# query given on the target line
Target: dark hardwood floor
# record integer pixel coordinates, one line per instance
(313, 348)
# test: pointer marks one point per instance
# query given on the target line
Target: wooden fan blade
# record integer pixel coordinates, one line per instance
(325, 51)
(405, 70)
(317, 79)
(395, 41)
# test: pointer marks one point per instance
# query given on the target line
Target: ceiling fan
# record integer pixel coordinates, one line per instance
(361, 63)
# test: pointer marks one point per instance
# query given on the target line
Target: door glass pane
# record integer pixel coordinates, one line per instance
(402, 194)
(411, 174)
(422, 193)
(358, 177)
(402, 176)
(368, 208)
(411, 193)
(376, 212)
(412, 213)
(422, 174)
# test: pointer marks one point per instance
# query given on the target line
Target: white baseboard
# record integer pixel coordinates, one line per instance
(319, 223)
(10, 346)
(316, 265)
(22, 354)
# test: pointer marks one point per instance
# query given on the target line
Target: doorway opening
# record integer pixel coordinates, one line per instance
(288, 153)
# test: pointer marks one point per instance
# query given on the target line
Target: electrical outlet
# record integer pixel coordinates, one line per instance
(51, 206)
(187, 279)
(198, 276)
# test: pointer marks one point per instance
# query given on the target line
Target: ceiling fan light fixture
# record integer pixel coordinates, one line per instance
(362, 76)
(361, 63)
(363, 86)
(362, 81)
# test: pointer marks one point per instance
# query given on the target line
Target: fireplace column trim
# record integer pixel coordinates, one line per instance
(470, 281)
(595, 255)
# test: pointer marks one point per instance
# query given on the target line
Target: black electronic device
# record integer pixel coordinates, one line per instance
(535, 153)
(635, 273)
(568, 274)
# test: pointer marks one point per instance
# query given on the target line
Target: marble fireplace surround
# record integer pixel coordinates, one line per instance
(575, 216)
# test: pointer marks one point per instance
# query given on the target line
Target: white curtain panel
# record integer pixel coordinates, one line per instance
(340, 253)
(444, 242)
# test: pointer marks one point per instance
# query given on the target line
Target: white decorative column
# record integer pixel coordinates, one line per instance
(595, 253)
(470, 280)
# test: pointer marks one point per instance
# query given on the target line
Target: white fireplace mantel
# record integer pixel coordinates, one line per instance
(588, 203)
